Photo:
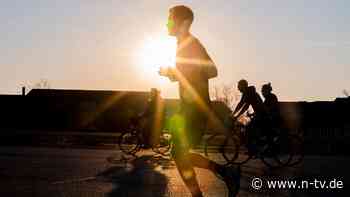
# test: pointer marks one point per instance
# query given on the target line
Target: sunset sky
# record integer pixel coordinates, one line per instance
(301, 47)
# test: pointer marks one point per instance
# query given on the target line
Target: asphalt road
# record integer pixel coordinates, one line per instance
(40, 171)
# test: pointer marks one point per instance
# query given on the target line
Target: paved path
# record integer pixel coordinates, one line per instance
(29, 171)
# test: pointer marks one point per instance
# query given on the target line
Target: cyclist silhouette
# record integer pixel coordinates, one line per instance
(271, 103)
(259, 122)
(249, 98)
(150, 135)
(193, 70)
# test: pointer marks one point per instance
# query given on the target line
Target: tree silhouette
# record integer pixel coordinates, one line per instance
(41, 84)
(226, 94)
(229, 95)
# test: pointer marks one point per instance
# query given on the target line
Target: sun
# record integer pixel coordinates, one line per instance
(157, 52)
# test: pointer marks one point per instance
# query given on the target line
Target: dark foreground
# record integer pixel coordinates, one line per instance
(29, 171)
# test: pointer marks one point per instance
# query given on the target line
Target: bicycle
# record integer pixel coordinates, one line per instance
(280, 149)
(133, 140)
(135, 137)
(224, 143)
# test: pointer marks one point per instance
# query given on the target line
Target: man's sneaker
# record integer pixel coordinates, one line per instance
(231, 175)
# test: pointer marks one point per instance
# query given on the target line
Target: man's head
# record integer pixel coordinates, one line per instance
(179, 20)
(242, 85)
(266, 89)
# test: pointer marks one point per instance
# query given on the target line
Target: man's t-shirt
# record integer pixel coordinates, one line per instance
(195, 68)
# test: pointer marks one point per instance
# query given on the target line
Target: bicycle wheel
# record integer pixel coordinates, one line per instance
(274, 152)
(242, 156)
(230, 149)
(296, 150)
(278, 152)
(129, 142)
(213, 148)
(164, 145)
(269, 158)
(290, 150)
(242, 150)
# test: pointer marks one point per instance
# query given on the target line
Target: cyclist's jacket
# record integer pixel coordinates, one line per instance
(272, 107)
(251, 97)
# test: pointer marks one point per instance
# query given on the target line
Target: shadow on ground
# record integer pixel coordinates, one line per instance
(138, 178)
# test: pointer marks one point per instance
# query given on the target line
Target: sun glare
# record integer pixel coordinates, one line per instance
(157, 52)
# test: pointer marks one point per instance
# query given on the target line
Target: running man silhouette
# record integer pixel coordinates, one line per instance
(193, 70)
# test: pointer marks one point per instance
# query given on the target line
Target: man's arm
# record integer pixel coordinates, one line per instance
(210, 70)
(209, 67)
(244, 109)
(168, 72)
(239, 106)
(203, 62)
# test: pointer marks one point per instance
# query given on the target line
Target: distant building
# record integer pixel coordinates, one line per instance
(85, 109)
(98, 110)
(325, 125)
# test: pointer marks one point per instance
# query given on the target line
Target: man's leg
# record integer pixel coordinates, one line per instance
(199, 161)
(197, 127)
(186, 171)
(180, 152)
(230, 175)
